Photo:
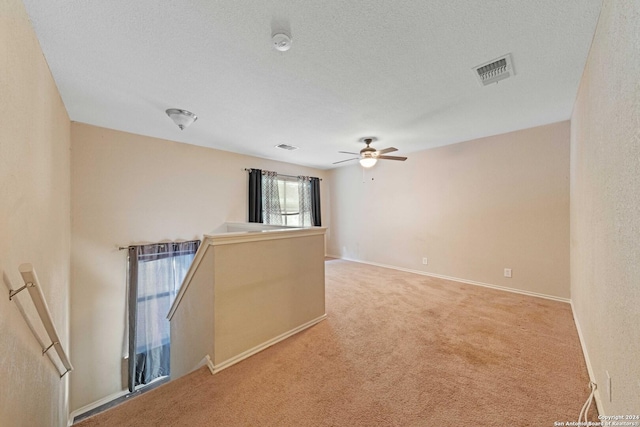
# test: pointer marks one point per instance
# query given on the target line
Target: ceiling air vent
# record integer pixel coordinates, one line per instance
(287, 147)
(494, 71)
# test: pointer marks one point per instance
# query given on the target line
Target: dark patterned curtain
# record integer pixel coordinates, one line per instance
(255, 195)
(315, 202)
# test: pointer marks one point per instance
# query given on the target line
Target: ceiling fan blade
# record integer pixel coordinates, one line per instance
(348, 152)
(387, 150)
(348, 160)
(392, 158)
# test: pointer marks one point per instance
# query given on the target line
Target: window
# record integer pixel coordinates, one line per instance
(156, 272)
(288, 190)
(283, 200)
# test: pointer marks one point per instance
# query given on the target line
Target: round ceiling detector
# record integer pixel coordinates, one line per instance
(281, 42)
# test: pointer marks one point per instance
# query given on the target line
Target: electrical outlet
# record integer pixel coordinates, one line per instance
(425, 261)
(608, 386)
(507, 272)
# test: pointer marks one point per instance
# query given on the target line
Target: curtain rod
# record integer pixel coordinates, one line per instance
(286, 176)
(123, 248)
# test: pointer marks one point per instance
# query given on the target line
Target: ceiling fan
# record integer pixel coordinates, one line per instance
(369, 156)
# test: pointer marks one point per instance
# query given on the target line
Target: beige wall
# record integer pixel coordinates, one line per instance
(605, 206)
(472, 209)
(130, 189)
(34, 221)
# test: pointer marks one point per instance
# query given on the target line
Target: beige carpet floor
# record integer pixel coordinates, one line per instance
(397, 349)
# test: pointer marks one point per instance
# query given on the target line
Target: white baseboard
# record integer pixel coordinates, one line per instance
(206, 360)
(95, 404)
(107, 399)
(587, 361)
(229, 362)
(457, 279)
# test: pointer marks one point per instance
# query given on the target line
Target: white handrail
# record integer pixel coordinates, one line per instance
(32, 284)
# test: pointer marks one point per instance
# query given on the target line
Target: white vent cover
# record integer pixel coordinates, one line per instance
(287, 147)
(494, 71)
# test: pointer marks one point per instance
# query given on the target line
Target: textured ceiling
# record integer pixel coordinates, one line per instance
(401, 70)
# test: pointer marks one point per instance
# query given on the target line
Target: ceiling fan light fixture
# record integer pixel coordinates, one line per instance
(182, 118)
(367, 162)
(369, 156)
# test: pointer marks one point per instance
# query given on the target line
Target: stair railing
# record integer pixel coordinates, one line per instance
(32, 285)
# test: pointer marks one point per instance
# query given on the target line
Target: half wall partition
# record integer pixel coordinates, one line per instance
(249, 287)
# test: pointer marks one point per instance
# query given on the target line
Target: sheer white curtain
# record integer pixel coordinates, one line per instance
(304, 199)
(271, 210)
(156, 272)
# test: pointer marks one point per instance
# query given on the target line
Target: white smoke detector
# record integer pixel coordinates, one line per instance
(494, 71)
(281, 42)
